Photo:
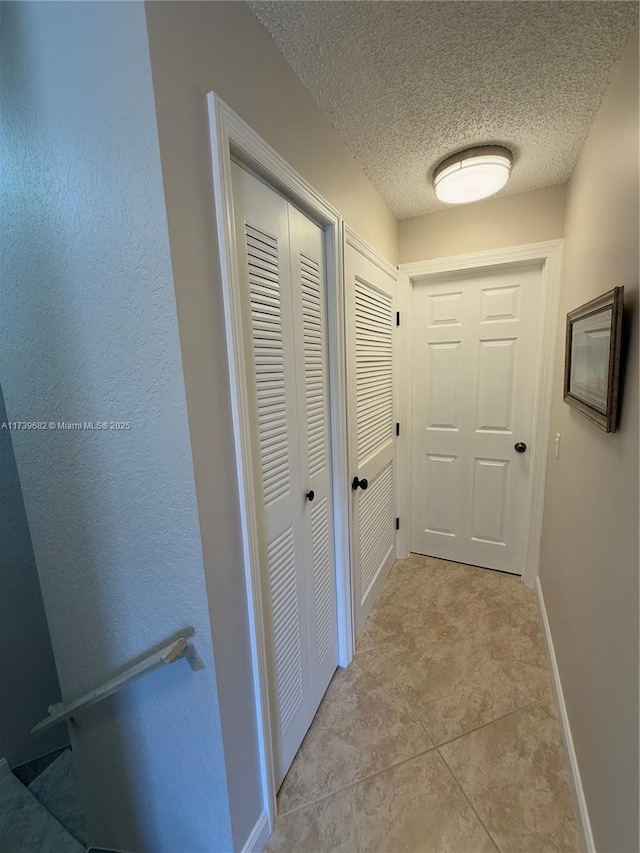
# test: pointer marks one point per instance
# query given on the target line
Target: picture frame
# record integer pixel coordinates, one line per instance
(592, 358)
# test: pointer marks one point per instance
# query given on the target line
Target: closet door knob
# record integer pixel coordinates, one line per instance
(362, 484)
(310, 495)
(519, 447)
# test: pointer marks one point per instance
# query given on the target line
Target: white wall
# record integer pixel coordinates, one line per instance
(28, 678)
(589, 568)
(89, 331)
(589, 560)
(220, 46)
(495, 223)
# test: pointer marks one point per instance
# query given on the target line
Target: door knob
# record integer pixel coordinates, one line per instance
(310, 495)
(520, 447)
(363, 484)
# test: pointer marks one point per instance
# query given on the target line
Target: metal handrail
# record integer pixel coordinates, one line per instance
(180, 648)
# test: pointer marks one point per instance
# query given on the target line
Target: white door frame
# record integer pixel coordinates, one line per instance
(550, 255)
(232, 137)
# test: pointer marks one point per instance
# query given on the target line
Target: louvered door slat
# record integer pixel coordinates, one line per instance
(264, 264)
(281, 263)
(310, 321)
(288, 653)
(314, 360)
(370, 353)
(373, 353)
(322, 574)
(262, 251)
(377, 529)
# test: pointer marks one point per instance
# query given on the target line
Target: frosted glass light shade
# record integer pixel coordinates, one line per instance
(472, 174)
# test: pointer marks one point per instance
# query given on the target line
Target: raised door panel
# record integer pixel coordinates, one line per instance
(489, 500)
(445, 309)
(495, 385)
(441, 490)
(442, 393)
(500, 304)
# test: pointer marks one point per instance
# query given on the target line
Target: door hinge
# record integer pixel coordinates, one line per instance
(397, 429)
(397, 318)
(397, 524)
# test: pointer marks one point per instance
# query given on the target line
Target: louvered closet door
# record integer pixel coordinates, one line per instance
(283, 284)
(310, 323)
(370, 297)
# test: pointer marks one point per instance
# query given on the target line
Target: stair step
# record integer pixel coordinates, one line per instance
(57, 789)
(25, 824)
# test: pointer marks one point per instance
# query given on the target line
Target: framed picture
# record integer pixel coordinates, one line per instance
(592, 358)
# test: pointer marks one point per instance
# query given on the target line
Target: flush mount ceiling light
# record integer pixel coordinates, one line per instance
(472, 174)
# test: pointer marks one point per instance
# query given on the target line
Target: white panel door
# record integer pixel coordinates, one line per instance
(475, 355)
(281, 268)
(371, 328)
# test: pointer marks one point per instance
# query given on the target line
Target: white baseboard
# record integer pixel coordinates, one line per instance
(257, 841)
(576, 780)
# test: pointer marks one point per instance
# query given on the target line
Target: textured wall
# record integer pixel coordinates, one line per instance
(495, 223)
(221, 46)
(196, 48)
(89, 331)
(28, 679)
(589, 570)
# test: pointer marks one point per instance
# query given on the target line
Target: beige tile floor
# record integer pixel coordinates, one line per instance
(442, 733)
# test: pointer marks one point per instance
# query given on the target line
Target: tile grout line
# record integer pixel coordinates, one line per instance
(436, 746)
(414, 713)
(468, 800)
(420, 723)
(380, 647)
(459, 783)
(357, 782)
(491, 722)
(470, 731)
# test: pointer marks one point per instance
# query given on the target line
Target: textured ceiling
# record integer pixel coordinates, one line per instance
(408, 83)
